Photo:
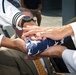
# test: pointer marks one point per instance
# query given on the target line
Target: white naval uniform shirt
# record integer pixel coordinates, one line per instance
(69, 56)
(9, 14)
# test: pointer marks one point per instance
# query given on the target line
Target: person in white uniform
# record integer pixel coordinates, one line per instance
(10, 15)
(56, 33)
(22, 68)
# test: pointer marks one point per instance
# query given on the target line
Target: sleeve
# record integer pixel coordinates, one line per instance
(10, 13)
(73, 25)
(69, 58)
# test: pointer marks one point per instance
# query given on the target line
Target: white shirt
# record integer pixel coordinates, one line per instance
(69, 56)
(73, 25)
(9, 14)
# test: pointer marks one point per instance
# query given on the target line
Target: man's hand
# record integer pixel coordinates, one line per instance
(55, 33)
(20, 44)
(54, 51)
(32, 31)
(17, 43)
(27, 32)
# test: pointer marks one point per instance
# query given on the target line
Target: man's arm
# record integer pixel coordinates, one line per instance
(10, 14)
(17, 44)
(55, 33)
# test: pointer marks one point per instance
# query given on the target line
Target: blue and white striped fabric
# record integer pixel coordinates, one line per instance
(35, 47)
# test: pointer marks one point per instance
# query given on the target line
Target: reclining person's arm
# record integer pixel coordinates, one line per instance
(17, 44)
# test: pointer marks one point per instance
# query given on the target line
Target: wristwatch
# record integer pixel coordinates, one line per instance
(26, 19)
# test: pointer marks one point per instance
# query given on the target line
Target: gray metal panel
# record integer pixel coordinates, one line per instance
(1, 31)
(51, 4)
(10, 30)
(68, 10)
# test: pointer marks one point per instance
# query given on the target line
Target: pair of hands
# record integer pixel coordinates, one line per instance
(20, 42)
(55, 33)
(54, 51)
(43, 33)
